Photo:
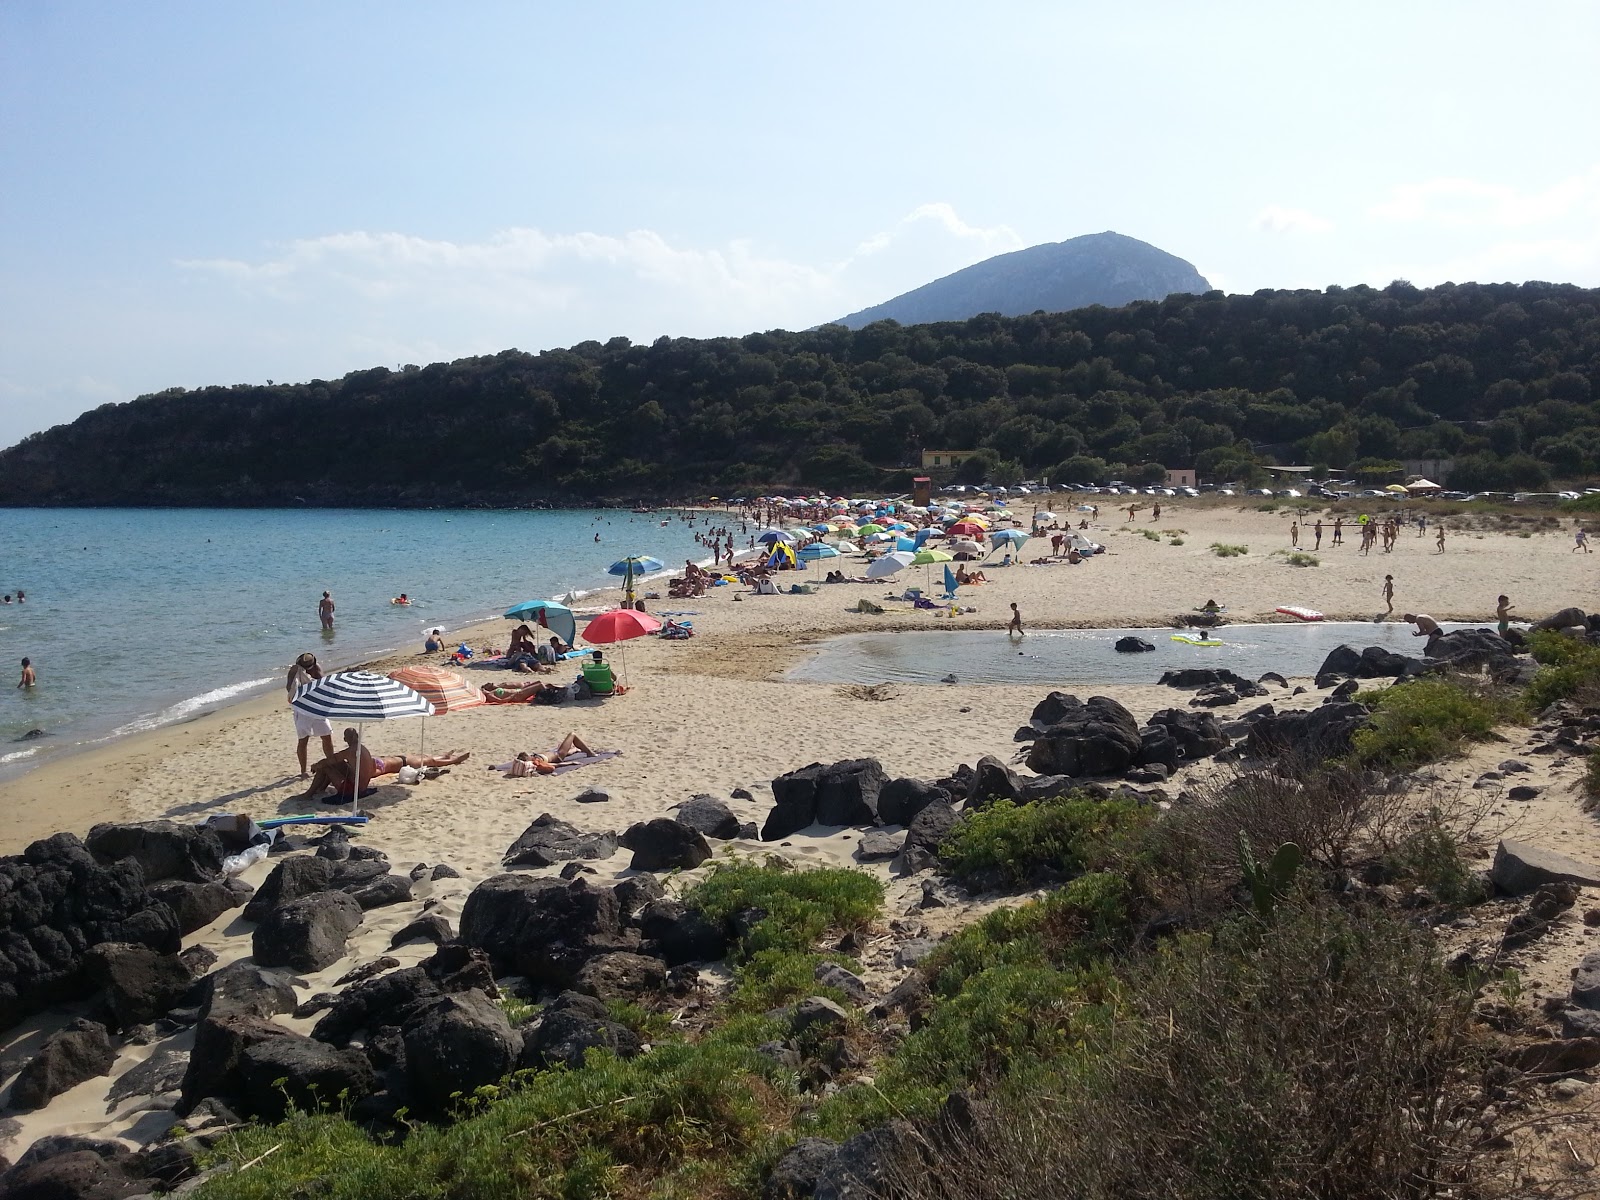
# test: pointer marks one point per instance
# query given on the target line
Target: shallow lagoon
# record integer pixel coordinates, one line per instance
(1057, 657)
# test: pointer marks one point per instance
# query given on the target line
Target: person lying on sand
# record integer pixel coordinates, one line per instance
(335, 771)
(529, 763)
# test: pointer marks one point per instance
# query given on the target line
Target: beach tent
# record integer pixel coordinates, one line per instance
(557, 618)
(360, 696)
(1423, 485)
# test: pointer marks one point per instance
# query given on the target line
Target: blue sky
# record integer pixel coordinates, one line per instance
(198, 193)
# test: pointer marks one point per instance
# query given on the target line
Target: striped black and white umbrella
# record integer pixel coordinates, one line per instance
(360, 696)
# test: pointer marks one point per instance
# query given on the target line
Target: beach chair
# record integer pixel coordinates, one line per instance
(599, 678)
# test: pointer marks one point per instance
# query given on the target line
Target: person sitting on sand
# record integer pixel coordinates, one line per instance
(521, 642)
(335, 770)
(528, 763)
(1426, 626)
(1211, 606)
(434, 642)
(1073, 556)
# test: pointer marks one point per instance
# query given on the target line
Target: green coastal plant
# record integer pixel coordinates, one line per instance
(1007, 845)
(1225, 550)
(1422, 720)
(1301, 559)
(1268, 882)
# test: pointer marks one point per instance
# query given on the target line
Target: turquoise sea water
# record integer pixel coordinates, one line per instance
(141, 617)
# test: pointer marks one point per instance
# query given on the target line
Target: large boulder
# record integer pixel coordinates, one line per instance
(543, 928)
(992, 780)
(1520, 868)
(79, 1051)
(93, 1172)
(622, 976)
(680, 934)
(306, 934)
(219, 1046)
(1567, 618)
(303, 1072)
(710, 816)
(1132, 645)
(569, 1027)
(1469, 649)
(380, 892)
(1586, 981)
(1341, 660)
(454, 1046)
(634, 892)
(196, 905)
(292, 878)
(1378, 662)
(1157, 747)
(244, 989)
(140, 985)
(1197, 734)
(57, 900)
(1097, 738)
(163, 849)
(901, 799)
(845, 793)
(390, 1000)
(663, 843)
(1201, 677)
(1307, 736)
(927, 829)
(550, 840)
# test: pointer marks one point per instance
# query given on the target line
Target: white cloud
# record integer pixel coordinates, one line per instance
(587, 284)
(1275, 218)
(1458, 203)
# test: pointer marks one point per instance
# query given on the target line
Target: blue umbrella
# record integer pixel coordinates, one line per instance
(1015, 536)
(634, 565)
(555, 617)
(818, 550)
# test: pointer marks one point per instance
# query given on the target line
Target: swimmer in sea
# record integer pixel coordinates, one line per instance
(402, 598)
(28, 677)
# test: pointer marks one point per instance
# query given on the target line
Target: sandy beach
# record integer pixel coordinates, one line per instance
(715, 715)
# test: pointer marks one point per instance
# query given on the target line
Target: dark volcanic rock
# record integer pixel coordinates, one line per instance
(390, 999)
(1199, 677)
(195, 905)
(545, 929)
(845, 793)
(1197, 734)
(636, 891)
(219, 1046)
(57, 900)
(306, 934)
(621, 976)
(74, 1174)
(428, 928)
(457, 1044)
(927, 829)
(80, 1050)
(680, 934)
(991, 780)
(550, 840)
(901, 799)
(710, 816)
(1313, 735)
(163, 849)
(304, 1072)
(878, 846)
(1132, 645)
(570, 1025)
(1466, 649)
(244, 989)
(662, 844)
(140, 984)
(292, 878)
(1096, 738)
(381, 892)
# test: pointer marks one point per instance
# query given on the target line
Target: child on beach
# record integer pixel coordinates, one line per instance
(1016, 621)
(1502, 610)
(1388, 593)
(29, 679)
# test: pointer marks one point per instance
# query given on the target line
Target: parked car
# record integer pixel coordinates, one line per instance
(1267, 492)
(1188, 491)
(1290, 494)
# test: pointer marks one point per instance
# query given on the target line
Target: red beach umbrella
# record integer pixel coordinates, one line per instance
(620, 625)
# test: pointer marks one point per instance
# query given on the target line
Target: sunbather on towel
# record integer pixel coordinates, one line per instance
(335, 770)
(528, 763)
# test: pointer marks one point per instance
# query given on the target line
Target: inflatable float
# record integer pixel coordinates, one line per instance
(1195, 640)
(1303, 614)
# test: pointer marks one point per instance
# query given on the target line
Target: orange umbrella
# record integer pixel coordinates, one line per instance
(445, 690)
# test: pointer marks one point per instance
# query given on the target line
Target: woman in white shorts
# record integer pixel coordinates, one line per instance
(305, 670)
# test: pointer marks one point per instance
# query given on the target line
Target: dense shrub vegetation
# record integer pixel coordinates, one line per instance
(1499, 378)
(1426, 719)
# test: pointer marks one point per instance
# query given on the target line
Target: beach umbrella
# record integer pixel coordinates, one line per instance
(817, 551)
(1014, 537)
(555, 617)
(869, 527)
(965, 546)
(889, 564)
(1044, 516)
(360, 696)
(771, 537)
(966, 529)
(824, 527)
(929, 555)
(620, 625)
(444, 689)
(632, 567)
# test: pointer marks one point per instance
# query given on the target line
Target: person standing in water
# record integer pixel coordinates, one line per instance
(29, 678)
(1016, 621)
(325, 611)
